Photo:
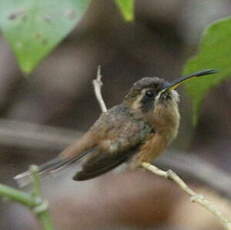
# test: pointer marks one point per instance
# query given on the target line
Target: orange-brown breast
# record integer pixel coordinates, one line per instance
(165, 120)
(151, 149)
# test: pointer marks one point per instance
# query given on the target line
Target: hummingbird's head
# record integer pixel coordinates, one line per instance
(156, 100)
(150, 101)
(148, 92)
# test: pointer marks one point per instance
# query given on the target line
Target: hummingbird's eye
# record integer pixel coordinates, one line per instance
(149, 93)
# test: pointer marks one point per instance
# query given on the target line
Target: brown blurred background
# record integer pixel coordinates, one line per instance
(60, 94)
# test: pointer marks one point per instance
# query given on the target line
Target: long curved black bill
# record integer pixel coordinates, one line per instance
(174, 84)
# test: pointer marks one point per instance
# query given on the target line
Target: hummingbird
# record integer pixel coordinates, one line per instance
(135, 131)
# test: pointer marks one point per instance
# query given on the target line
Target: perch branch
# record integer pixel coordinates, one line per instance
(197, 169)
(197, 198)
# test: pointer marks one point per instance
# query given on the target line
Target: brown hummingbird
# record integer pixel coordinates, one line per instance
(135, 131)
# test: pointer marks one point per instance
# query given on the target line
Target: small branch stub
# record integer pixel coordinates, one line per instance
(97, 83)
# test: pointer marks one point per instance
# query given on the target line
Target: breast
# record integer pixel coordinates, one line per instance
(150, 150)
(165, 121)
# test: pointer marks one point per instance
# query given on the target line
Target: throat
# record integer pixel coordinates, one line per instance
(165, 121)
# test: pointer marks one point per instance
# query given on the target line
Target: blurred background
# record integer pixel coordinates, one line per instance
(41, 114)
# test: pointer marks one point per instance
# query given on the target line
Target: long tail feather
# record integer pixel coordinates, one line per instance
(47, 168)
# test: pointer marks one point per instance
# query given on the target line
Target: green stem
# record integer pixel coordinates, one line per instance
(45, 220)
(36, 181)
(42, 210)
(16, 195)
(32, 201)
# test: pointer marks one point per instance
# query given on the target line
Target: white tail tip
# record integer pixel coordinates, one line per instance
(23, 179)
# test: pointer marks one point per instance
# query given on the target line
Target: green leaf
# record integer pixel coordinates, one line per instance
(34, 27)
(214, 53)
(127, 9)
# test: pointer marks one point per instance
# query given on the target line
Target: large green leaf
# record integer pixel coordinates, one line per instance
(34, 27)
(127, 8)
(214, 52)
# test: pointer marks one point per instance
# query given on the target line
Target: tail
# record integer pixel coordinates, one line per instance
(47, 168)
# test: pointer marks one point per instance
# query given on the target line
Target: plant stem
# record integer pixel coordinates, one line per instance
(16, 195)
(31, 200)
(42, 210)
(45, 220)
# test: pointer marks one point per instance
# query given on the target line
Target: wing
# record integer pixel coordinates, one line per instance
(100, 164)
(121, 138)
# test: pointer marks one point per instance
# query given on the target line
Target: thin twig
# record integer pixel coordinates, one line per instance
(97, 83)
(31, 200)
(18, 196)
(36, 181)
(197, 198)
(41, 210)
(197, 169)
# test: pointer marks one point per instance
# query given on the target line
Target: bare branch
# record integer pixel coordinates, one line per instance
(196, 169)
(197, 198)
(97, 83)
